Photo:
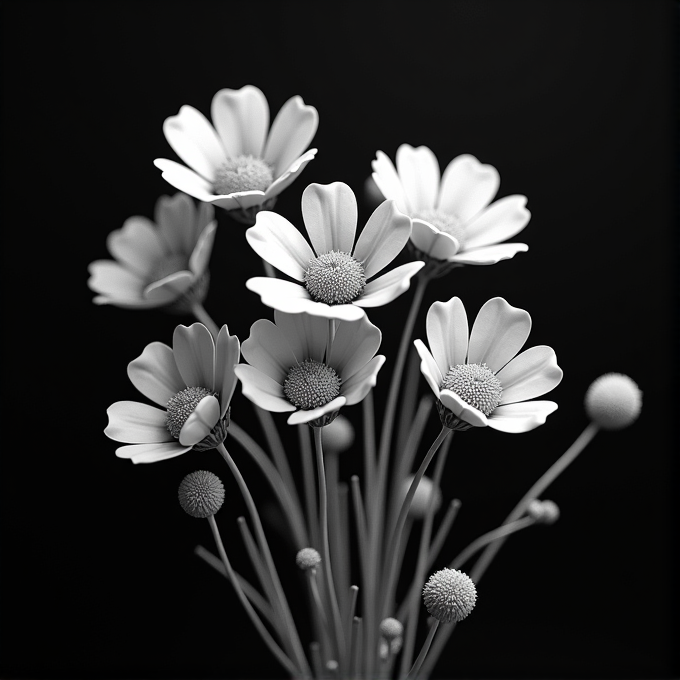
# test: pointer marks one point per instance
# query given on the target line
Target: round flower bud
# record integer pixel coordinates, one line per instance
(338, 436)
(307, 558)
(449, 595)
(544, 512)
(422, 496)
(201, 494)
(390, 628)
(613, 401)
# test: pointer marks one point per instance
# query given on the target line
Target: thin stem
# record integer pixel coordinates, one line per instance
(338, 550)
(264, 633)
(357, 647)
(308, 481)
(320, 613)
(268, 270)
(353, 596)
(317, 664)
(198, 310)
(369, 439)
(345, 566)
(423, 652)
(409, 395)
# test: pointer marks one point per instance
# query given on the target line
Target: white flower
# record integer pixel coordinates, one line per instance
(193, 382)
(288, 369)
(335, 277)
(236, 164)
(479, 378)
(157, 263)
(452, 218)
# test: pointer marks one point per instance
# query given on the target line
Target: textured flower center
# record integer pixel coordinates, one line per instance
(445, 222)
(476, 385)
(335, 278)
(182, 405)
(168, 265)
(242, 173)
(311, 384)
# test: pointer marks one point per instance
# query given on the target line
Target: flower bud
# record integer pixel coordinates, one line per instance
(613, 401)
(449, 595)
(390, 628)
(201, 494)
(338, 436)
(544, 512)
(307, 558)
(422, 496)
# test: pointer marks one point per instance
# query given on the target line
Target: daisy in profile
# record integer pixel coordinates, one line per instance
(192, 382)
(238, 163)
(288, 368)
(157, 263)
(453, 217)
(336, 278)
(480, 379)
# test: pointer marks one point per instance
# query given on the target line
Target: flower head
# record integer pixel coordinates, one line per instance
(449, 595)
(157, 263)
(336, 277)
(452, 218)
(391, 628)
(201, 494)
(544, 512)
(477, 377)
(193, 381)
(288, 369)
(235, 163)
(338, 436)
(307, 558)
(613, 401)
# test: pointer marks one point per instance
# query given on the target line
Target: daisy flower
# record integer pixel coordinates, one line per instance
(334, 276)
(157, 263)
(288, 369)
(480, 379)
(238, 163)
(193, 383)
(452, 218)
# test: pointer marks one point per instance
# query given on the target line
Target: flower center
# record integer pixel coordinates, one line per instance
(168, 265)
(311, 384)
(182, 405)
(445, 222)
(335, 278)
(476, 385)
(242, 173)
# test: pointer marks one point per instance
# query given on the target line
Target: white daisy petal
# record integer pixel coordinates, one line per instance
(278, 242)
(500, 221)
(112, 279)
(429, 368)
(529, 375)
(136, 245)
(195, 141)
(498, 333)
(241, 118)
(389, 286)
(429, 240)
(386, 178)
(305, 334)
(361, 383)
(291, 133)
(489, 254)
(382, 239)
(462, 409)
(200, 256)
(447, 333)
(419, 174)
(521, 417)
(201, 421)
(170, 287)
(176, 220)
(130, 421)
(194, 351)
(354, 345)
(268, 351)
(262, 390)
(290, 175)
(152, 453)
(467, 187)
(285, 296)
(329, 212)
(185, 180)
(154, 373)
(301, 416)
(227, 352)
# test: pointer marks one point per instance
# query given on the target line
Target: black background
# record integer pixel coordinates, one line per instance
(572, 101)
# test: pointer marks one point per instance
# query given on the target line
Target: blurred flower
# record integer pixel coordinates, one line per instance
(425, 494)
(338, 436)
(544, 512)
(476, 378)
(307, 558)
(452, 218)
(287, 368)
(193, 382)
(334, 277)
(613, 401)
(157, 264)
(234, 163)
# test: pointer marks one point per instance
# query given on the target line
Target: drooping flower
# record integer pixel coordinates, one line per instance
(452, 218)
(193, 381)
(157, 263)
(335, 276)
(288, 369)
(235, 163)
(477, 379)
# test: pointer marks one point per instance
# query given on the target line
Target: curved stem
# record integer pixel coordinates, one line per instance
(423, 652)
(198, 310)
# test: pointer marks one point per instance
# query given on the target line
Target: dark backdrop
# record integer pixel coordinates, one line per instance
(572, 101)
